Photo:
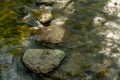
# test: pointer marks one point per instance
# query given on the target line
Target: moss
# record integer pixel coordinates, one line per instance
(15, 36)
(10, 31)
(24, 31)
(37, 13)
(103, 72)
(8, 25)
(17, 51)
(35, 31)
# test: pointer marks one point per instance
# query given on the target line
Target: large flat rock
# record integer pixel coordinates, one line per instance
(42, 60)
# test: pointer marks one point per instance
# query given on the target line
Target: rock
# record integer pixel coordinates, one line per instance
(45, 18)
(42, 60)
(52, 34)
(66, 6)
(98, 21)
(43, 14)
(59, 21)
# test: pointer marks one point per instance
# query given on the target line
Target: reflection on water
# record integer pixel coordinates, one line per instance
(86, 48)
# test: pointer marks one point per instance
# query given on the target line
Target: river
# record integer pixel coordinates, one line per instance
(92, 50)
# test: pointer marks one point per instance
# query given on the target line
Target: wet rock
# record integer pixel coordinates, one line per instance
(46, 18)
(30, 20)
(52, 34)
(98, 20)
(65, 7)
(42, 60)
(43, 14)
(59, 21)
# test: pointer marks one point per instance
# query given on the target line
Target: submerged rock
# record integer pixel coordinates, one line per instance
(43, 14)
(59, 21)
(42, 60)
(52, 34)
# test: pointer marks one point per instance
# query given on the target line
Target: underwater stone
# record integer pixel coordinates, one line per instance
(42, 60)
(52, 34)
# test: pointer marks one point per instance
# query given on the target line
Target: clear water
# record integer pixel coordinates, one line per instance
(83, 59)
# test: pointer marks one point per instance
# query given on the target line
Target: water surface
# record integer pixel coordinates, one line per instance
(83, 59)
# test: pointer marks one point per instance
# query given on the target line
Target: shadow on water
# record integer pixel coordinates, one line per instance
(84, 61)
(89, 43)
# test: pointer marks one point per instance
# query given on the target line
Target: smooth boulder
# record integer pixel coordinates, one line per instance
(42, 60)
(52, 34)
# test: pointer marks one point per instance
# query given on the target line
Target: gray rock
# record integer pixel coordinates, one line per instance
(42, 60)
(43, 14)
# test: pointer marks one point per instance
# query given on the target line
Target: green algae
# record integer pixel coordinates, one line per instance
(17, 51)
(11, 33)
(37, 13)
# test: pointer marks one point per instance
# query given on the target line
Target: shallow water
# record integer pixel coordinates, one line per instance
(83, 59)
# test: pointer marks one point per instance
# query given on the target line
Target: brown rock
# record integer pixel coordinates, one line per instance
(52, 34)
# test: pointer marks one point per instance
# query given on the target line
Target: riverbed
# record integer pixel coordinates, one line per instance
(92, 50)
